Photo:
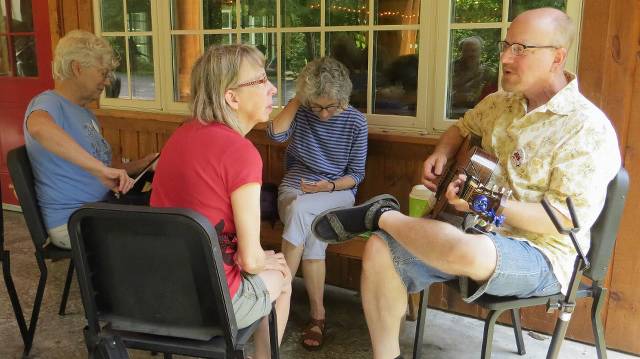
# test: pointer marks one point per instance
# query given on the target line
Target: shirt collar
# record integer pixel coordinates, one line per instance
(562, 102)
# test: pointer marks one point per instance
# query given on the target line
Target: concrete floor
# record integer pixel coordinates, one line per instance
(446, 335)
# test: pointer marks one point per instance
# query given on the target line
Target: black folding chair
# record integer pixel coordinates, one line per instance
(24, 184)
(603, 238)
(154, 278)
(8, 280)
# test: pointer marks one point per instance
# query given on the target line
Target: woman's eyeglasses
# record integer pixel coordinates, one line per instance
(262, 80)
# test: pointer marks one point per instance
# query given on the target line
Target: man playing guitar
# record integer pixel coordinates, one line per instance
(550, 142)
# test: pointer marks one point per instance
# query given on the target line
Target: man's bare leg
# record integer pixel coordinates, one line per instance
(384, 298)
(442, 245)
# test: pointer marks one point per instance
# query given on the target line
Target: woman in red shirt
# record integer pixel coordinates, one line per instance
(209, 166)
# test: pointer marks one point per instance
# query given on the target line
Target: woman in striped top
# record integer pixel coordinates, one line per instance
(325, 163)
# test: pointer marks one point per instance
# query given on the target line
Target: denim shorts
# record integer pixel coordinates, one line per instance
(521, 270)
(252, 301)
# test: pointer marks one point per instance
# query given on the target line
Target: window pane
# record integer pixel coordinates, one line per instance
(3, 16)
(219, 14)
(476, 11)
(258, 13)
(266, 42)
(347, 12)
(119, 87)
(21, 16)
(299, 13)
(297, 50)
(351, 49)
(25, 52)
(112, 15)
(5, 68)
(139, 12)
(186, 50)
(219, 39)
(396, 72)
(473, 70)
(141, 60)
(518, 6)
(394, 12)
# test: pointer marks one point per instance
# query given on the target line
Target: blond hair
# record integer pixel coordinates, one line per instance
(324, 77)
(84, 48)
(215, 72)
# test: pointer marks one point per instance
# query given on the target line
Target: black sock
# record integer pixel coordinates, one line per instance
(376, 217)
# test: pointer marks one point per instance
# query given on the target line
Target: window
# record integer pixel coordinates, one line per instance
(17, 40)
(130, 28)
(410, 70)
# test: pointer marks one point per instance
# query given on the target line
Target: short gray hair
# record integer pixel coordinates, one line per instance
(565, 30)
(324, 77)
(84, 48)
(216, 71)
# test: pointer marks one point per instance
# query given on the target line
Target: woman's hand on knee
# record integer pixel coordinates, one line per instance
(276, 262)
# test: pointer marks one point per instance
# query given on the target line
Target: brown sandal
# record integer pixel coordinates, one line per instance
(309, 334)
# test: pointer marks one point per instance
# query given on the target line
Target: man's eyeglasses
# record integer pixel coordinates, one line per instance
(518, 49)
(262, 80)
(330, 108)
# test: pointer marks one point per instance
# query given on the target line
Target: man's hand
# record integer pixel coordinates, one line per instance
(433, 167)
(276, 261)
(115, 179)
(452, 194)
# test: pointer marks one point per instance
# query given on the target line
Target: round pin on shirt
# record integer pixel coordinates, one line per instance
(518, 157)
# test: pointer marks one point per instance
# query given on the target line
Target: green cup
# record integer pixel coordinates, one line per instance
(421, 201)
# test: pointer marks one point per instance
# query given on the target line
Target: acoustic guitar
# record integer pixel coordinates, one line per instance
(486, 203)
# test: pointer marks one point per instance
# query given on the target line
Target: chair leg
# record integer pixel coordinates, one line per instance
(487, 338)
(36, 304)
(67, 286)
(273, 333)
(599, 296)
(13, 294)
(517, 330)
(422, 315)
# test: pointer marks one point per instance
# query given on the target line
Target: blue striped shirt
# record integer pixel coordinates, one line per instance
(324, 150)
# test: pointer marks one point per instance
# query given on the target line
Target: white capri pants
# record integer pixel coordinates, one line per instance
(298, 210)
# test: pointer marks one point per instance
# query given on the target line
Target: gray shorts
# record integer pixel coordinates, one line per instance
(298, 210)
(59, 236)
(252, 300)
(521, 270)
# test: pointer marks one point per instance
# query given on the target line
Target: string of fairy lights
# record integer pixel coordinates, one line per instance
(363, 10)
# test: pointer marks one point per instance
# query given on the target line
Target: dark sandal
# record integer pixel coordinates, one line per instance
(309, 334)
(338, 225)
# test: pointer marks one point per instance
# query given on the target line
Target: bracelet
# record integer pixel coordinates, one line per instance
(334, 186)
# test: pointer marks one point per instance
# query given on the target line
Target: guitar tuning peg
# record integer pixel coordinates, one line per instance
(502, 190)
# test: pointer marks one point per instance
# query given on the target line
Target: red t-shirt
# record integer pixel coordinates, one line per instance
(200, 166)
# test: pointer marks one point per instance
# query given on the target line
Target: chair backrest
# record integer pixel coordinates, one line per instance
(605, 230)
(151, 270)
(24, 184)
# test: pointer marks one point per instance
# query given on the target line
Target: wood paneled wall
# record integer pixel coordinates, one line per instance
(609, 74)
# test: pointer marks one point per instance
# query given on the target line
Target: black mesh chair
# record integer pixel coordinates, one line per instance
(603, 238)
(24, 184)
(153, 277)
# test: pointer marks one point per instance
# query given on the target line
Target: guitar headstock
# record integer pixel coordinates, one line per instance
(486, 203)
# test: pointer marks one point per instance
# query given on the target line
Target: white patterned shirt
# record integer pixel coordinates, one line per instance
(566, 147)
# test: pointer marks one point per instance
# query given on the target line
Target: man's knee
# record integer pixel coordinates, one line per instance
(376, 253)
(473, 256)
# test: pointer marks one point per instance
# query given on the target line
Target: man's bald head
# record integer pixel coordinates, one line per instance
(555, 24)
